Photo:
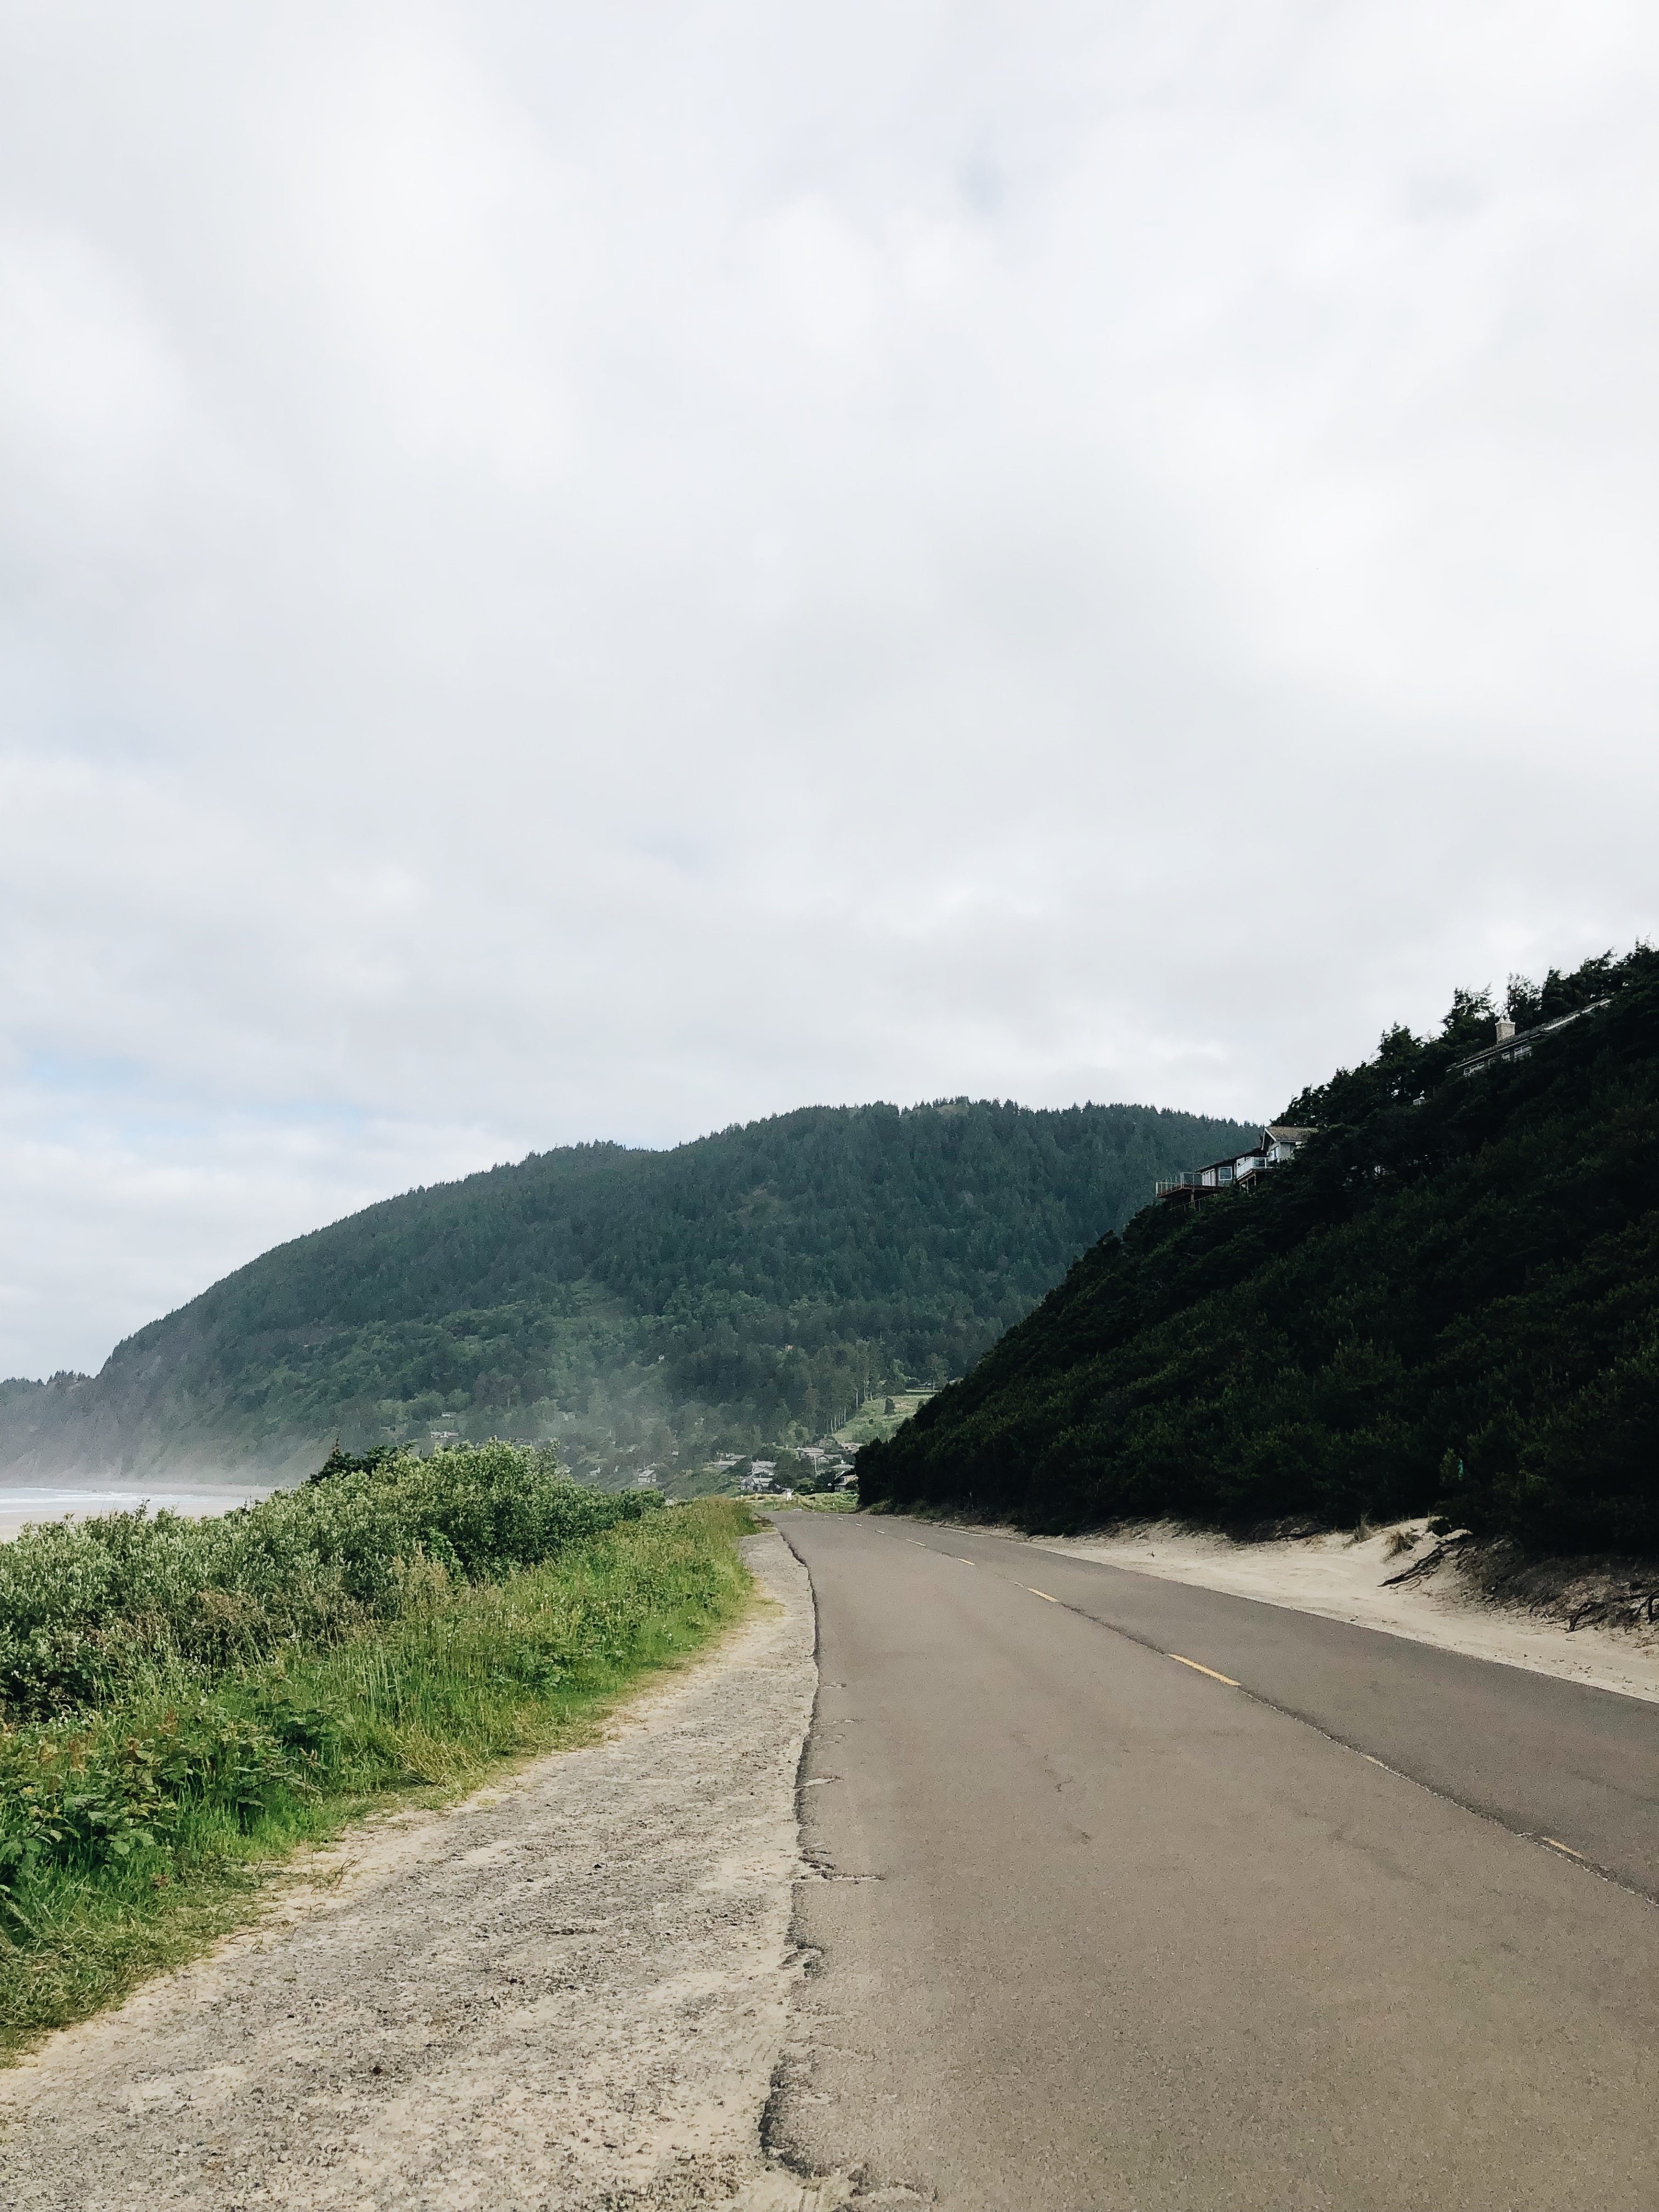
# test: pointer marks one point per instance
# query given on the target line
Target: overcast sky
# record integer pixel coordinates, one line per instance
(576, 572)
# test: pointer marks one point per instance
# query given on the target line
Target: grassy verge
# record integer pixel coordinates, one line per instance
(878, 1419)
(828, 1501)
(163, 1812)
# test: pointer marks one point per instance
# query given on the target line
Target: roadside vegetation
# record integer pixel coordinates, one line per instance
(881, 1417)
(1447, 1304)
(183, 1702)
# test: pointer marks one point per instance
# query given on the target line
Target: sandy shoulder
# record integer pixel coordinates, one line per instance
(568, 1991)
(1346, 1581)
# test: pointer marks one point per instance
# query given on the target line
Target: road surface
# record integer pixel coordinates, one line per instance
(1131, 1893)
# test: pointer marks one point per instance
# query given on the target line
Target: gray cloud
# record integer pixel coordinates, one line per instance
(575, 573)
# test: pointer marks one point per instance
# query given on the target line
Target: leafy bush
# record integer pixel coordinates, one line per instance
(91, 1611)
(87, 1793)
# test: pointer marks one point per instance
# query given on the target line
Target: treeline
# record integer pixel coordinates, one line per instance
(636, 1306)
(1449, 1302)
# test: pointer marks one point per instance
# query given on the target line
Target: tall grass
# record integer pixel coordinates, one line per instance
(94, 1610)
(137, 1819)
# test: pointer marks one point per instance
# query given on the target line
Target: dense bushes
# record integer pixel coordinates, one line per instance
(90, 1610)
(1451, 1301)
(134, 1827)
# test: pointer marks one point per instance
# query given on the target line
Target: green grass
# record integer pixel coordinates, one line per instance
(699, 1482)
(159, 1817)
(828, 1501)
(873, 1423)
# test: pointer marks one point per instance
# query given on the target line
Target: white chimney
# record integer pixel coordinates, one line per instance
(1506, 1029)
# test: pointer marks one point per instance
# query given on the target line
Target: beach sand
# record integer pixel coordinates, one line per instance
(23, 1503)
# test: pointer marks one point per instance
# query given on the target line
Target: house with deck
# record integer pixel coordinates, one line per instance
(1279, 1142)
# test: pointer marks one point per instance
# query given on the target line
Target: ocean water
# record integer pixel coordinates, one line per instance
(21, 1502)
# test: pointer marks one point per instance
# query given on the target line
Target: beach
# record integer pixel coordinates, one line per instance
(23, 1503)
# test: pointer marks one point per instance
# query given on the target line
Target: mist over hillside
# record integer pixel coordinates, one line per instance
(639, 1308)
(1447, 1301)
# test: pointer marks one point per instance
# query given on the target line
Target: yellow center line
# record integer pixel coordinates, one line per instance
(1036, 1592)
(1197, 1669)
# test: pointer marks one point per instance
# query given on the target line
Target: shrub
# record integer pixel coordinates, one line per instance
(92, 1611)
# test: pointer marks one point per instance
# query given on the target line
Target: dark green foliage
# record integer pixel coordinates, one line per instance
(754, 1280)
(1449, 1301)
(345, 1463)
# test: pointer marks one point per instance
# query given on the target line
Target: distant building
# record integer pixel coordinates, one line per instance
(1279, 1143)
(1510, 1043)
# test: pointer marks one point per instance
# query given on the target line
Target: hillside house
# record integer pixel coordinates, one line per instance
(1279, 1142)
(1510, 1043)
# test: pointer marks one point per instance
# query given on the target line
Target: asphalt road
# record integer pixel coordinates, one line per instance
(1093, 1927)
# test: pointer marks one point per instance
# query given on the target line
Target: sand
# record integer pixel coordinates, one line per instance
(22, 1504)
(1344, 1580)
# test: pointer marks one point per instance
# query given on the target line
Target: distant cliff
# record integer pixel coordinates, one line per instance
(1448, 1300)
(635, 1306)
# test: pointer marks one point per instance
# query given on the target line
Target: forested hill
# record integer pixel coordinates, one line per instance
(1448, 1300)
(635, 1305)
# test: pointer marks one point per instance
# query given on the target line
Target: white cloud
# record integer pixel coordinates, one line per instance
(576, 573)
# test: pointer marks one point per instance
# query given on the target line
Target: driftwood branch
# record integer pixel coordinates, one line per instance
(1427, 1563)
(1636, 1606)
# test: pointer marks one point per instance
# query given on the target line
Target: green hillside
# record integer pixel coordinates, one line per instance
(638, 1307)
(1448, 1300)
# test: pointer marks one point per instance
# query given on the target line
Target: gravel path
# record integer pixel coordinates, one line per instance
(570, 1991)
